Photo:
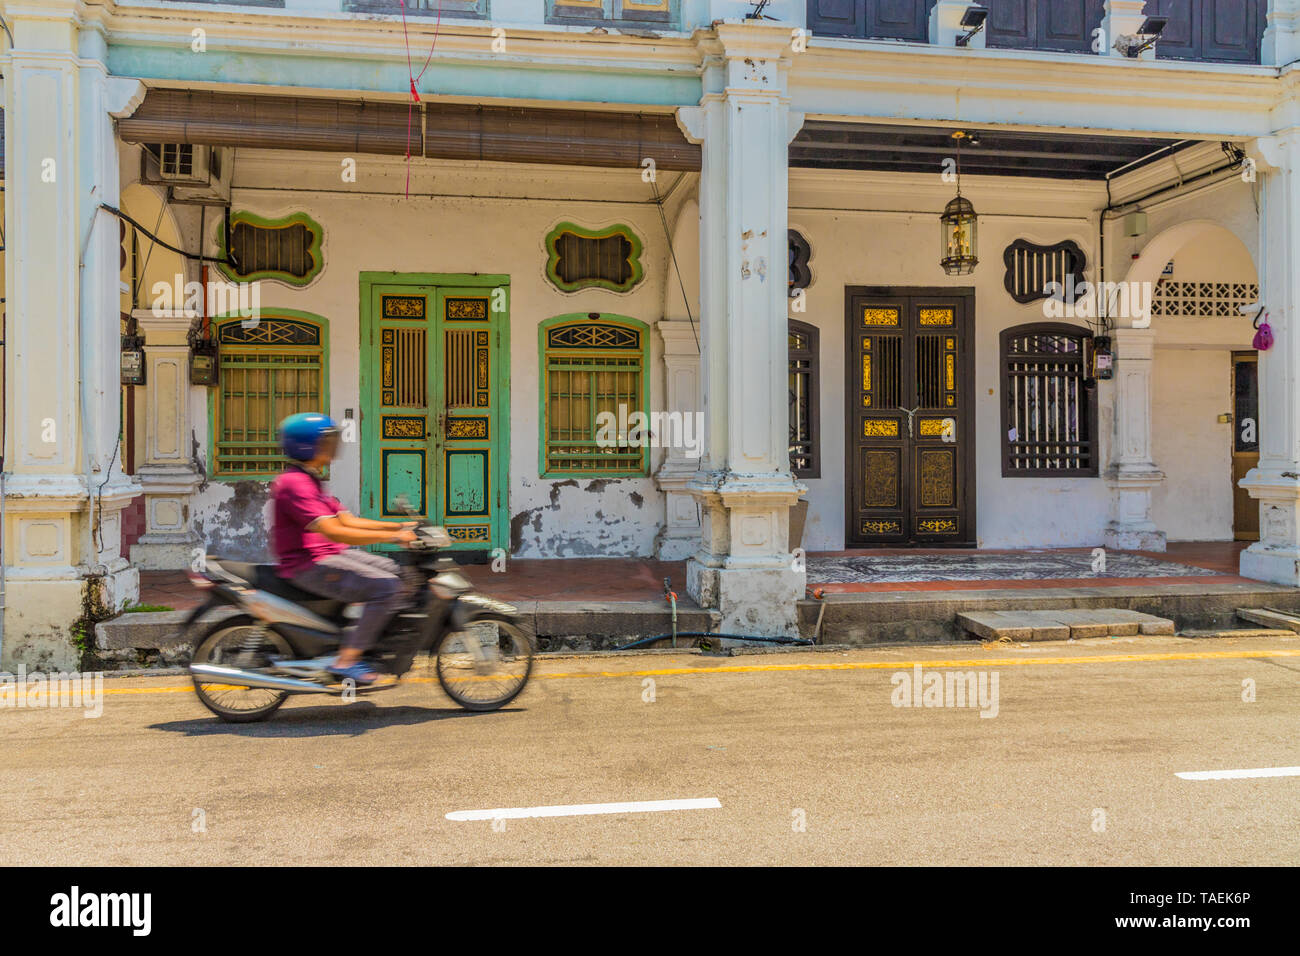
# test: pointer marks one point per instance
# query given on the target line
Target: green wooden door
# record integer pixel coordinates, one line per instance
(435, 402)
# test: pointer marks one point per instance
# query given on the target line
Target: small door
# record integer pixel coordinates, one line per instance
(434, 395)
(910, 422)
(1245, 442)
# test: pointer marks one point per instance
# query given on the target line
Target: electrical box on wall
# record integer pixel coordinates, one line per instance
(1135, 224)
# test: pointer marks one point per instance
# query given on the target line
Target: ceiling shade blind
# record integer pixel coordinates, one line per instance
(448, 131)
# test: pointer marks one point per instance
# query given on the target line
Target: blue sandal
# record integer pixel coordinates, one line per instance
(360, 674)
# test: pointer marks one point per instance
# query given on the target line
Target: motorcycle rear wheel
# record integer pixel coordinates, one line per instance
(486, 686)
(235, 642)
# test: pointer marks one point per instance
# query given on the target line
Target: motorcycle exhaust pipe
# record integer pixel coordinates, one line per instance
(243, 678)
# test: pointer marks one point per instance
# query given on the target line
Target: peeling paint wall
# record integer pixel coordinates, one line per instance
(478, 222)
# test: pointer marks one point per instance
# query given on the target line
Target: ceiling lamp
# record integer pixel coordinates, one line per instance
(958, 227)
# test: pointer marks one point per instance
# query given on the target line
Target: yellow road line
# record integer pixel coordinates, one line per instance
(849, 666)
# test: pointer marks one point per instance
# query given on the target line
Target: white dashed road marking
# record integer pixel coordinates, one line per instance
(1239, 774)
(587, 809)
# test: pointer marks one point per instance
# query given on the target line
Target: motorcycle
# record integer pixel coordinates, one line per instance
(283, 639)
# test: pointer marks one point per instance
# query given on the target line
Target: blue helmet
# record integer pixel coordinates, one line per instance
(300, 434)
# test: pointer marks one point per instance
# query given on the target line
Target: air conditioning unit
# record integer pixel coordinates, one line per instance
(195, 174)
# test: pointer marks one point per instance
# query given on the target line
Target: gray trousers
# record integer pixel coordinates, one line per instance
(354, 576)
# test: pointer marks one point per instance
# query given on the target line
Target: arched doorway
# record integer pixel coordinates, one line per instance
(1204, 424)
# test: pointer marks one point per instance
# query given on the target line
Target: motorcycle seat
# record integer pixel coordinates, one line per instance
(264, 578)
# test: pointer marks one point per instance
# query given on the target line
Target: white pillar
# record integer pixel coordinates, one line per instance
(1122, 17)
(680, 535)
(1281, 43)
(168, 473)
(679, 331)
(1132, 475)
(744, 567)
(1275, 482)
(945, 25)
(64, 485)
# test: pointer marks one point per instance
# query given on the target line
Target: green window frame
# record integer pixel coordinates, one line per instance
(303, 236)
(591, 363)
(587, 252)
(269, 371)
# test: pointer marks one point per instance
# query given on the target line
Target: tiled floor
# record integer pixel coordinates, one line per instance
(641, 579)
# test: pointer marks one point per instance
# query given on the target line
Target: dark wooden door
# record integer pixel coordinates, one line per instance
(1245, 442)
(871, 19)
(909, 416)
(1227, 31)
(1066, 25)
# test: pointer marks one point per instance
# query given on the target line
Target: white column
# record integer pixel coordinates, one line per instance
(168, 473)
(64, 486)
(1275, 482)
(1133, 475)
(1122, 17)
(1281, 43)
(945, 25)
(744, 567)
(680, 535)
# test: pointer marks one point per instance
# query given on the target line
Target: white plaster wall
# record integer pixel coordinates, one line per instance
(878, 231)
(1189, 389)
(870, 229)
(460, 218)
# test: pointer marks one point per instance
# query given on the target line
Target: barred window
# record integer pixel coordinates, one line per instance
(1049, 404)
(594, 380)
(269, 371)
(805, 440)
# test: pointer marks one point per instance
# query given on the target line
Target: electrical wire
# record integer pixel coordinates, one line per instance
(167, 245)
(681, 283)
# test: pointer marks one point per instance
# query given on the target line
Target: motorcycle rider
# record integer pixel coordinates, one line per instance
(315, 541)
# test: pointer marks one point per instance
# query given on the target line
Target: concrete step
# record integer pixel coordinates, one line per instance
(1059, 625)
(1270, 617)
(925, 617)
(1239, 632)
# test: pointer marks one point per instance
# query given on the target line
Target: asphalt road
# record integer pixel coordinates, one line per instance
(807, 755)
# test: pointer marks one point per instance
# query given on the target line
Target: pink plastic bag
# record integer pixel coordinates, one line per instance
(1263, 340)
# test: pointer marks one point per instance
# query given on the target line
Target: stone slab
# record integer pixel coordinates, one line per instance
(1269, 617)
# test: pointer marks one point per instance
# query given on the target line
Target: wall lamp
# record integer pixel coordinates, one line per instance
(972, 20)
(1132, 45)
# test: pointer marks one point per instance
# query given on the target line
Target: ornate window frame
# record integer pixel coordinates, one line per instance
(550, 350)
(1069, 366)
(603, 232)
(274, 222)
(234, 324)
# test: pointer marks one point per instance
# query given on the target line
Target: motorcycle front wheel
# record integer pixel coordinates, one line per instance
(485, 664)
(239, 642)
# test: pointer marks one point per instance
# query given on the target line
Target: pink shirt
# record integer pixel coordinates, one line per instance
(298, 499)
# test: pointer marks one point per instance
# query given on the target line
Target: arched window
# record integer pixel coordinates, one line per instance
(594, 378)
(1049, 402)
(270, 369)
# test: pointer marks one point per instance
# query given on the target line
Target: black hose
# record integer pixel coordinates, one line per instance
(729, 637)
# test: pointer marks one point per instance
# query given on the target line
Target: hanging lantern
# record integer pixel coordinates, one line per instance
(958, 228)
